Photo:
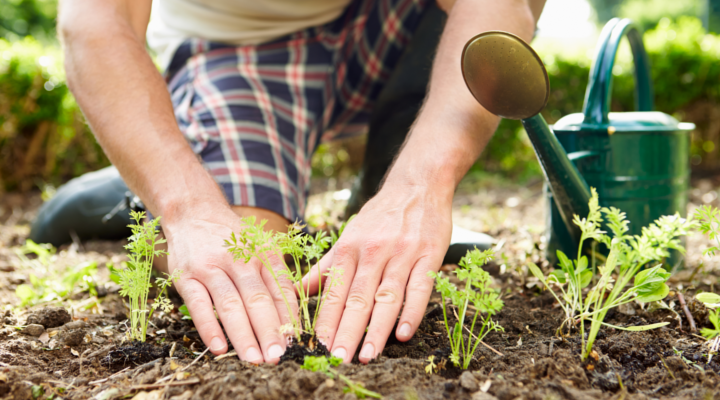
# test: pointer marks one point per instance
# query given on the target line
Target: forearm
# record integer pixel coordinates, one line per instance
(452, 128)
(128, 107)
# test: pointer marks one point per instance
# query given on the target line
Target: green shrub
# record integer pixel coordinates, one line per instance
(43, 137)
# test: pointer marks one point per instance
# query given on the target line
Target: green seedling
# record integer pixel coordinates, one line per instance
(134, 279)
(52, 283)
(709, 218)
(483, 299)
(271, 247)
(711, 300)
(628, 255)
(324, 364)
(185, 312)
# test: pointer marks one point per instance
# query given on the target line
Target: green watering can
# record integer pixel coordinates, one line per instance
(637, 161)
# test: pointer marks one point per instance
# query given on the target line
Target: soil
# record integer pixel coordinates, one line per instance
(80, 352)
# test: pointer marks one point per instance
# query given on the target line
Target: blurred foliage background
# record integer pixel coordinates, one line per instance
(44, 139)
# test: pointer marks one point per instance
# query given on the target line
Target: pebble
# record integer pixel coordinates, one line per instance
(34, 330)
(468, 382)
(482, 396)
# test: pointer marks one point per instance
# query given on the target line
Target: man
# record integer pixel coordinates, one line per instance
(253, 87)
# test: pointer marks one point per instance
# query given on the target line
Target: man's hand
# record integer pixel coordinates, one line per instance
(128, 107)
(397, 237)
(404, 231)
(246, 299)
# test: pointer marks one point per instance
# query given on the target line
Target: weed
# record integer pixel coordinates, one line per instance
(628, 255)
(185, 312)
(254, 242)
(709, 218)
(50, 283)
(323, 364)
(134, 279)
(484, 299)
(431, 367)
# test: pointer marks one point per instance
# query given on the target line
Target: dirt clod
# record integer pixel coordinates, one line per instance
(50, 317)
(468, 382)
(33, 330)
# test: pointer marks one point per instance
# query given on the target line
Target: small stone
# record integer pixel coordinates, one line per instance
(74, 337)
(468, 382)
(80, 324)
(483, 396)
(34, 330)
(50, 317)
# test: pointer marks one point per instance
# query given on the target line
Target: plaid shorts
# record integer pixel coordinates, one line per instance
(255, 114)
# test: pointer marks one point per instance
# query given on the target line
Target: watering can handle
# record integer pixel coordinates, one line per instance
(597, 96)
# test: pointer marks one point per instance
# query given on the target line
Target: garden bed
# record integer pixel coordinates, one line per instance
(81, 354)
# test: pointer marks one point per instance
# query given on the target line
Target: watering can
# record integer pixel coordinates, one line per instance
(637, 161)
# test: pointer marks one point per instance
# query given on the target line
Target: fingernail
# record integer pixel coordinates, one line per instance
(340, 353)
(404, 330)
(217, 344)
(253, 355)
(368, 351)
(275, 351)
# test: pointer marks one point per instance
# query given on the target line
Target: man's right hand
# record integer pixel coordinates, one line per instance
(127, 104)
(247, 300)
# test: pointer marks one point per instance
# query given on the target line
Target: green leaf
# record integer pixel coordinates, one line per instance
(585, 278)
(565, 264)
(708, 298)
(559, 275)
(535, 270)
(638, 328)
(658, 294)
(185, 312)
(25, 293)
(581, 265)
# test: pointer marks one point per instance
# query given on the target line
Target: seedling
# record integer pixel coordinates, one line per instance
(324, 364)
(627, 258)
(134, 279)
(52, 283)
(483, 299)
(268, 247)
(431, 367)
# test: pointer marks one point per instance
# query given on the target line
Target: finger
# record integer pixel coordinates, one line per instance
(286, 289)
(418, 291)
(360, 301)
(200, 306)
(231, 310)
(261, 310)
(388, 302)
(333, 299)
(315, 277)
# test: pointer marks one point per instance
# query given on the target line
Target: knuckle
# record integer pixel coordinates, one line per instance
(387, 294)
(333, 298)
(372, 248)
(356, 302)
(259, 298)
(229, 304)
(344, 252)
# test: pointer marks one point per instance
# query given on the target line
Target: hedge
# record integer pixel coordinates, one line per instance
(43, 137)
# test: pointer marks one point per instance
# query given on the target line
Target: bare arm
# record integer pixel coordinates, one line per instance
(128, 107)
(127, 104)
(404, 231)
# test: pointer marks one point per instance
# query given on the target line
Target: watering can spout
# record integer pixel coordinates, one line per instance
(508, 79)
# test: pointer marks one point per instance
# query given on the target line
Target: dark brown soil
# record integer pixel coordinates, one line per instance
(86, 357)
(666, 362)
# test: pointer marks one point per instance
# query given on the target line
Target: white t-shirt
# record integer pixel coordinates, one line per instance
(240, 22)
